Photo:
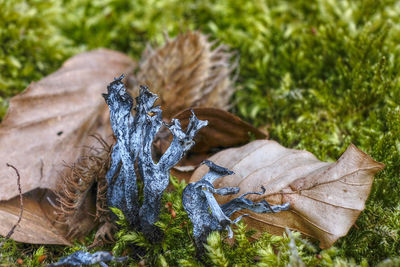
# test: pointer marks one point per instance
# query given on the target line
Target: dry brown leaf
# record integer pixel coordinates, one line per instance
(34, 227)
(188, 72)
(47, 126)
(224, 130)
(326, 198)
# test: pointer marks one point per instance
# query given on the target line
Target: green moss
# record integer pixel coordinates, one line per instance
(177, 248)
(321, 74)
(123, 25)
(30, 44)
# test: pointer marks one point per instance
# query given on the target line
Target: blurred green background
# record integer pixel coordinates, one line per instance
(320, 74)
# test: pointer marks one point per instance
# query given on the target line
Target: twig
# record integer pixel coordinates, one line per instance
(11, 232)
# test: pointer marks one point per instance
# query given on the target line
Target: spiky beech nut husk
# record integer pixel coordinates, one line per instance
(84, 183)
(188, 72)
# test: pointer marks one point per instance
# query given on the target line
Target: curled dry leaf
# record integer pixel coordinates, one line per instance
(224, 130)
(325, 198)
(188, 72)
(47, 126)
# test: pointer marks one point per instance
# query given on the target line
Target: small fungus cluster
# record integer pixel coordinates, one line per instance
(135, 135)
(131, 161)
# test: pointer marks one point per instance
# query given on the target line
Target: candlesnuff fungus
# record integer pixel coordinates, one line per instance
(80, 258)
(122, 189)
(198, 201)
(135, 135)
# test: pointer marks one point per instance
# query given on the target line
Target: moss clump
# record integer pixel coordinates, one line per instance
(177, 249)
(321, 74)
(31, 46)
(123, 25)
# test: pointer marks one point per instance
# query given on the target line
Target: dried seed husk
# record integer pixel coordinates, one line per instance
(188, 71)
(83, 184)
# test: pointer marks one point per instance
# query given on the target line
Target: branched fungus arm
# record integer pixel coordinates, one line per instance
(181, 142)
(242, 203)
(214, 172)
(80, 258)
(216, 210)
(205, 212)
(263, 206)
(155, 180)
(225, 191)
(115, 164)
(156, 176)
(198, 201)
(122, 191)
(144, 110)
